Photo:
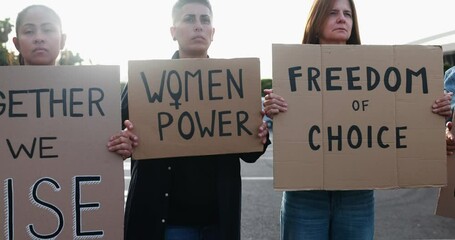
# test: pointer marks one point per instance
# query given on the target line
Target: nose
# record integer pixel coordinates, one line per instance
(38, 40)
(39, 37)
(197, 26)
(341, 18)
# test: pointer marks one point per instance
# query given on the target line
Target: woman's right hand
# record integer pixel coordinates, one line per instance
(450, 139)
(124, 142)
(274, 104)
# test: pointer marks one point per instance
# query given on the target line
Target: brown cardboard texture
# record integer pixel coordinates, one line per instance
(359, 117)
(190, 107)
(59, 181)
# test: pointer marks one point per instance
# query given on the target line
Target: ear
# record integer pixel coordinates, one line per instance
(16, 44)
(213, 33)
(63, 41)
(173, 33)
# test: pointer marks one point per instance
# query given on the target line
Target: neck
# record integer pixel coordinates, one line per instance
(192, 54)
(331, 42)
(29, 64)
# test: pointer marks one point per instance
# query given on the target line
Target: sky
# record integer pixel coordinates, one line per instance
(113, 32)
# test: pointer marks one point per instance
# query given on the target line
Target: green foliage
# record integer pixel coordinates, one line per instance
(4, 56)
(7, 58)
(265, 84)
(5, 28)
(68, 58)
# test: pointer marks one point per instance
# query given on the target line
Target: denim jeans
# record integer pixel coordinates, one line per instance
(191, 233)
(323, 215)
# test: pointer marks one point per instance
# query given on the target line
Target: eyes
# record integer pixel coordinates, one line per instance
(205, 20)
(346, 14)
(30, 29)
(191, 19)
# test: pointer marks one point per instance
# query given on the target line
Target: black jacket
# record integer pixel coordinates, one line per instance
(200, 190)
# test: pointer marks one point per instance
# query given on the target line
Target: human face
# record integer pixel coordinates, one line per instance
(39, 38)
(193, 30)
(338, 24)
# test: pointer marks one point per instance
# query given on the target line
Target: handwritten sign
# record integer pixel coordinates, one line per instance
(189, 107)
(58, 179)
(359, 117)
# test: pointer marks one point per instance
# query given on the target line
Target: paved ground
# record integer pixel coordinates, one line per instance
(400, 214)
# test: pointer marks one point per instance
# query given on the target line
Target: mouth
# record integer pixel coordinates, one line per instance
(198, 38)
(340, 29)
(40, 49)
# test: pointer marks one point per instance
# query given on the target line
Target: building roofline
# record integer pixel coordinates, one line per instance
(447, 48)
(434, 37)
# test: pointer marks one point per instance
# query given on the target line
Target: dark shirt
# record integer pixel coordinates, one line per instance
(190, 191)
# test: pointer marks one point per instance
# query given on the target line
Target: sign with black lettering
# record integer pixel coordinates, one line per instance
(189, 107)
(58, 179)
(359, 117)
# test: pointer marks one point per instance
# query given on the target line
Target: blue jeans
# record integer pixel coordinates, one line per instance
(327, 215)
(192, 233)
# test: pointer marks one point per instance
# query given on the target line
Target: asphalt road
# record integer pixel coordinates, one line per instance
(400, 214)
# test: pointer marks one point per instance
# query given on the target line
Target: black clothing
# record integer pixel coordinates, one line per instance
(190, 191)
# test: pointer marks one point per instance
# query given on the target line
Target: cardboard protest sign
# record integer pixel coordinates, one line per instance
(189, 107)
(359, 117)
(58, 179)
(446, 200)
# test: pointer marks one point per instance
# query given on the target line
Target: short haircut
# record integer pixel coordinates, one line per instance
(180, 3)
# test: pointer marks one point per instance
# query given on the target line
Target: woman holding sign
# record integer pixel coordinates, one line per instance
(186, 197)
(330, 214)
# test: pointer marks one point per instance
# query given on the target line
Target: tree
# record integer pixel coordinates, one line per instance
(265, 84)
(68, 58)
(6, 57)
(5, 28)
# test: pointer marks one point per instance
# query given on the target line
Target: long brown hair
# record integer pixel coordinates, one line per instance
(318, 15)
